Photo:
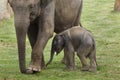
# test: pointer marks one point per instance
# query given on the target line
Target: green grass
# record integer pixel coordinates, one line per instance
(99, 18)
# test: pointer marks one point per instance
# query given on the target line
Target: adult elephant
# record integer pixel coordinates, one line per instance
(39, 19)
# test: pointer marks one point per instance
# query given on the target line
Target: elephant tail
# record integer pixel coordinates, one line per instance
(94, 51)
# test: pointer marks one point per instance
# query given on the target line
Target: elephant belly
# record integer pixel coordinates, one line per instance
(66, 12)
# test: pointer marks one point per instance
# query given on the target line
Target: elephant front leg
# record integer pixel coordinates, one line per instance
(37, 59)
(32, 35)
(63, 61)
(46, 29)
(42, 62)
(69, 58)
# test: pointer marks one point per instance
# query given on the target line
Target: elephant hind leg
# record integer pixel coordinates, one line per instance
(85, 67)
(93, 62)
(81, 54)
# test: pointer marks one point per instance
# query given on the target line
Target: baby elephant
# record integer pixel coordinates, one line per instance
(76, 39)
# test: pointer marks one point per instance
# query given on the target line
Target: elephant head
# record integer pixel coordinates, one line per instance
(58, 44)
(25, 11)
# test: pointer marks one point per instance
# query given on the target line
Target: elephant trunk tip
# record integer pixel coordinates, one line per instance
(23, 71)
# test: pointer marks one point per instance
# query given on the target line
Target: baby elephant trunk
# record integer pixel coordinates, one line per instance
(51, 56)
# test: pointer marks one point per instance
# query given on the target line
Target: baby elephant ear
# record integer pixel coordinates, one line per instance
(63, 39)
(54, 43)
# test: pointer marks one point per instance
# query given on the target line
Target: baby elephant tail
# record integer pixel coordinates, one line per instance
(94, 51)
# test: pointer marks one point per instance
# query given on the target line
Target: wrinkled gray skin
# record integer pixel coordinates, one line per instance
(39, 19)
(75, 39)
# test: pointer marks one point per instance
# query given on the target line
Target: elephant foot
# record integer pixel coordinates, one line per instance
(85, 68)
(71, 68)
(43, 66)
(93, 69)
(28, 71)
(33, 69)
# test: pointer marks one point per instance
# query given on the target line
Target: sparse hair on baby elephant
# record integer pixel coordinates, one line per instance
(75, 39)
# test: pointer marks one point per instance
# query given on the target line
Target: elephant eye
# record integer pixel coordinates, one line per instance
(10, 3)
(31, 6)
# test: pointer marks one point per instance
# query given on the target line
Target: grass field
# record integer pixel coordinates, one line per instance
(99, 18)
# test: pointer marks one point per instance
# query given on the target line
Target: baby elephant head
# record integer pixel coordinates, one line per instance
(57, 46)
(58, 43)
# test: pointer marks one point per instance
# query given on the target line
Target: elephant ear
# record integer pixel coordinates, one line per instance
(63, 40)
(10, 2)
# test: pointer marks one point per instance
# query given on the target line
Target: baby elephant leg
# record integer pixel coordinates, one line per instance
(81, 54)
(85, 66)
(63, 61)
(93, 63)
(70, 63)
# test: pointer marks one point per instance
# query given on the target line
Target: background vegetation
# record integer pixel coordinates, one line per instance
(99, 18)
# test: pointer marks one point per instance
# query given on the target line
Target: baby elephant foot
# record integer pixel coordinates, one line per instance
(93, 69)
(33, 69)
(85, 68)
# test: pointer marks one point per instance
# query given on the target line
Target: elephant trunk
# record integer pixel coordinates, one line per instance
(51, 56)
(21, 31)
(21, 55)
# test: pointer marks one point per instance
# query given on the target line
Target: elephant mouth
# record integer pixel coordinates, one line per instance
(32, 18)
